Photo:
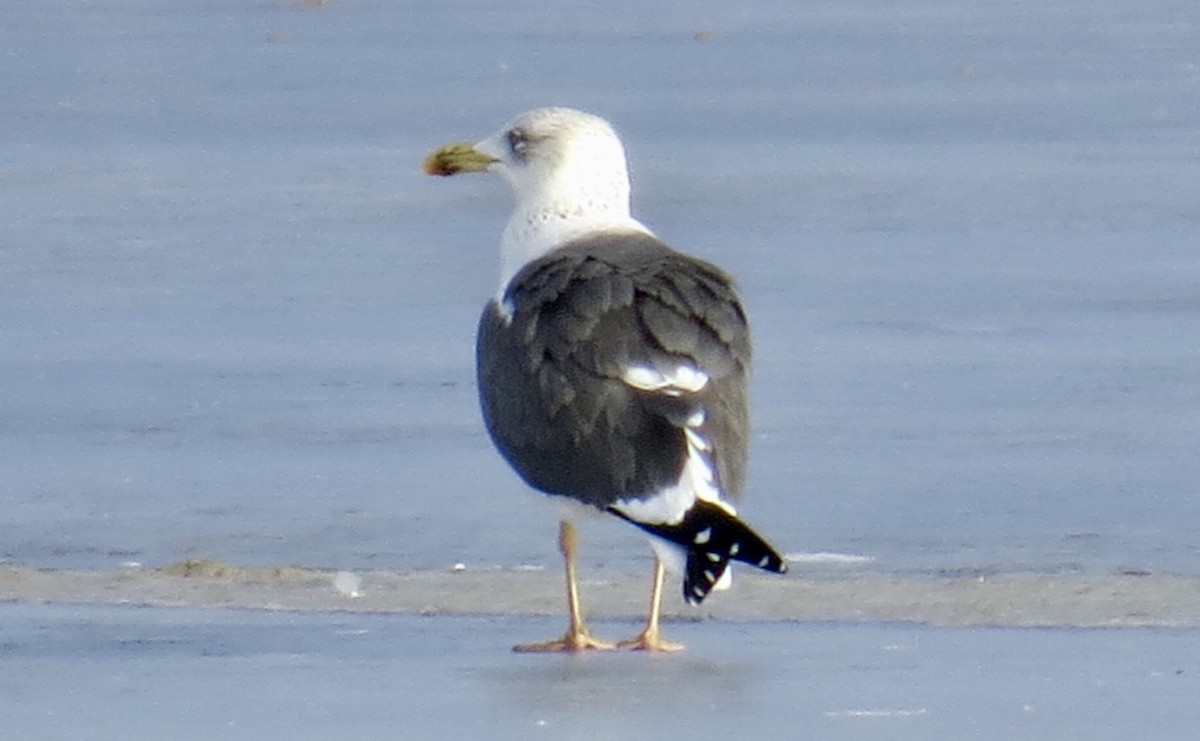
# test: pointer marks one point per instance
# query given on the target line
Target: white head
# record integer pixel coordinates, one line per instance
(567, 170)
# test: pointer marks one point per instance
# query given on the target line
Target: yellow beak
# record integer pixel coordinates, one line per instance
(455, 158)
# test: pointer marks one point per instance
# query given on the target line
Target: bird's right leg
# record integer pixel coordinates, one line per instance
(650, 639)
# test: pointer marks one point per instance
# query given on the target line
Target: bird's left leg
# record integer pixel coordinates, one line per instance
(577, 638)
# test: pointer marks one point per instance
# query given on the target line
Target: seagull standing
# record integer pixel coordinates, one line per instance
(612, 368)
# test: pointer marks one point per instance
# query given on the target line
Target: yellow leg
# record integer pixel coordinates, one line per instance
(577, 637)
(651, 638)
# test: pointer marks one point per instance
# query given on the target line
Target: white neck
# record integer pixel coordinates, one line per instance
(530, 236)
(553, 216)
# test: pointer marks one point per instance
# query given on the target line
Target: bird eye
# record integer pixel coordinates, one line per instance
(518, 142)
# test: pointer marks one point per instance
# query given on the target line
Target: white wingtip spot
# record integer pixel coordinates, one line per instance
(762, 564)
(696, 440)
(643, 377)
(703, 536)
(689, 379)
(681, 378)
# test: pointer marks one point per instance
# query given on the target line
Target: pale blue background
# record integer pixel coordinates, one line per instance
(236, 321)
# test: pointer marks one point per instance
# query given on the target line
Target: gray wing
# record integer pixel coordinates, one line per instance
(550, 373)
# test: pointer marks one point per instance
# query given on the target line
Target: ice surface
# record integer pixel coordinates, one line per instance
(236, 323)
(190, 673)
(1021, 600)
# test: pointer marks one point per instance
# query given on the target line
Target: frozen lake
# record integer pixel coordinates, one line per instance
(236, 323)
(218, 674)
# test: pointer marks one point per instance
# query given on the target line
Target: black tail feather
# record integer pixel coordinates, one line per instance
(712, 538)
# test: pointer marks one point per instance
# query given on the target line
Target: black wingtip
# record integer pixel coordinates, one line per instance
(712, 538)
